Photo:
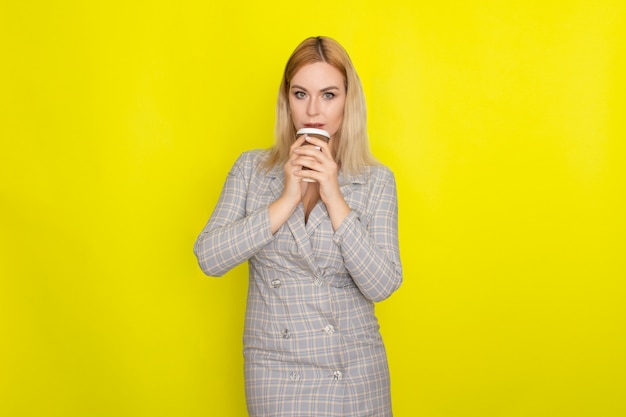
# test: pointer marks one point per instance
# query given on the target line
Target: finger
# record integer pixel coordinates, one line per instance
(305, 161)
(298, 142)
(310, 150)
(306, 173)
(324, 159)
(317, 142)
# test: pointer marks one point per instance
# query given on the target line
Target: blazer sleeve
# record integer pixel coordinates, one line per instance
(369, 245)
(231, 235)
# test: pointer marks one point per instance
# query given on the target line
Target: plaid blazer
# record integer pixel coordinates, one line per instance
(312, 345)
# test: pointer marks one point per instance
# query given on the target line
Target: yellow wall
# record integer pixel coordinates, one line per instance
(503, 122)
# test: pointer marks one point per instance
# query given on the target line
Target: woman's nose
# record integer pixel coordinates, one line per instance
(312, 108)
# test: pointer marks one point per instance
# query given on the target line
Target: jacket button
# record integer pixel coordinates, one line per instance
(318, 282)
(286, 334)
(275, 283)
(337, 375)
(330, 329)
(294, 377)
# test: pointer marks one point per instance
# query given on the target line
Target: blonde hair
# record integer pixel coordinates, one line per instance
(352, 151)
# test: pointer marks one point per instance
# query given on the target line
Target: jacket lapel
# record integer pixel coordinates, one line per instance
(347, 185)
(295, 223)
(299, 230)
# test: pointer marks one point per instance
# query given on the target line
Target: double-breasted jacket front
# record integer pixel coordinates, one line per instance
(312, 345)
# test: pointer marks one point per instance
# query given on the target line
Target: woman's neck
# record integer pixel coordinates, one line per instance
(310, 199)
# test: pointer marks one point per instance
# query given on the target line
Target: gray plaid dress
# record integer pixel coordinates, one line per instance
(312, 345)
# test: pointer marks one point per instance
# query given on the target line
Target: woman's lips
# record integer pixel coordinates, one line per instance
(314, 125)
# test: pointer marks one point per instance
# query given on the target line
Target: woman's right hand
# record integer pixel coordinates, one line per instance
(294, 188)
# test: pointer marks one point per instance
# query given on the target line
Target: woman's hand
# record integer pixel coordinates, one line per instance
(318, 157)
(294, 188)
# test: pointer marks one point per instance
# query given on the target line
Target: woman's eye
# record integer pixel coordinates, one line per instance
(300, 94)
(329, 95)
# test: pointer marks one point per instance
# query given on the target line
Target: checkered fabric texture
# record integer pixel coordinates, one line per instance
(312, 345)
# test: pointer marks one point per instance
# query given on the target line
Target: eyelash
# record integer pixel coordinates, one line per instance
(302, 94)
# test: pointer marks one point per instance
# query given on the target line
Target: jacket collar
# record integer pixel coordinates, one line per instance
(301, 231)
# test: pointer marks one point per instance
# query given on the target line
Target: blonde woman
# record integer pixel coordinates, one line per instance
(317, 222)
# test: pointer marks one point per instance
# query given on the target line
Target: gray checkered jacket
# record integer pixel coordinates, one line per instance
(312, 345)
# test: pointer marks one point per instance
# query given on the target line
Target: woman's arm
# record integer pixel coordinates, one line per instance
(232, 237)
(370, 246)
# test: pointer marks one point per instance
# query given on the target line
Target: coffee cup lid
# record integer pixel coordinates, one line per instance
(313, 131)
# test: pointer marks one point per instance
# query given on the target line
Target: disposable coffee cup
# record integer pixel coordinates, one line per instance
(313, 133)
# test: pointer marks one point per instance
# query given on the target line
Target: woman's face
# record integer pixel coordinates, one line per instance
(317, 97)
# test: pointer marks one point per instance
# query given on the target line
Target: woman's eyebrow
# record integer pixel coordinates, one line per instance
(332, 87)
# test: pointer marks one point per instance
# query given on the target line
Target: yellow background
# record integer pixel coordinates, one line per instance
(504, 124)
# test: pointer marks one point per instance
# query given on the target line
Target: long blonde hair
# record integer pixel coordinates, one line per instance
(352, 146)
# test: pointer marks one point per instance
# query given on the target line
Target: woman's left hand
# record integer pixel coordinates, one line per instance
(317, 155)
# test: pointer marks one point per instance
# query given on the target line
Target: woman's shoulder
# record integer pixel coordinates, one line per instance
(254, 155)
(379, 173)
(251, 160)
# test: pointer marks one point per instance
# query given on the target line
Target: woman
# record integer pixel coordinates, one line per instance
(320, 253)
